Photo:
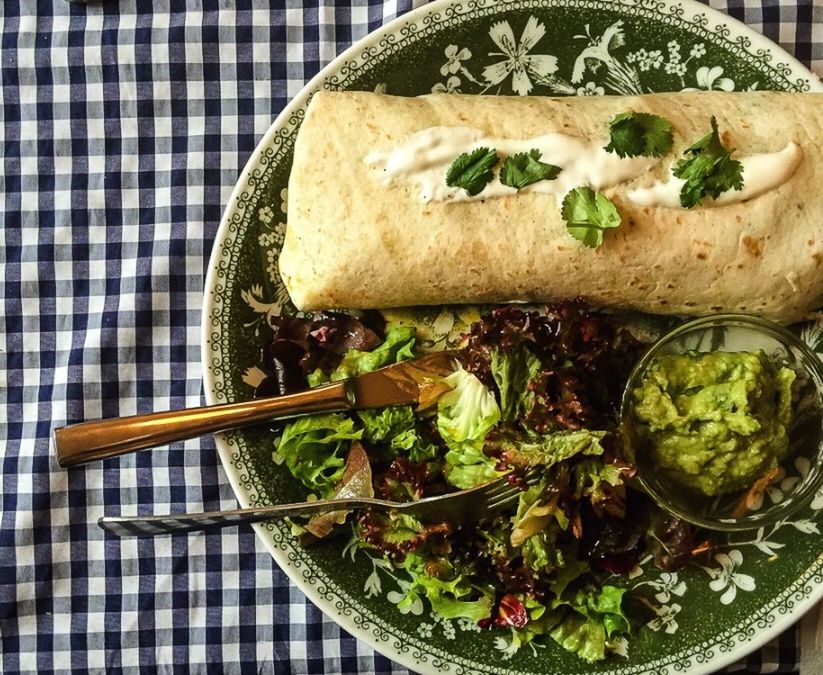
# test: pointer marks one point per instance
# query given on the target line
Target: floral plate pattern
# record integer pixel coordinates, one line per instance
(755, 584)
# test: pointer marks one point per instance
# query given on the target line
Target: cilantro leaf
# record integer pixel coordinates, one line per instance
(587, 213)
(708, 170)
(472, 171)
(633, 134)
(524, 168)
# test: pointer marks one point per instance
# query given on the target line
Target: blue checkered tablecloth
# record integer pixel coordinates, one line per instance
(124, 125)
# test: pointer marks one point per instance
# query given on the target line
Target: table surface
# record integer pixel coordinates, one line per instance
(124, 126)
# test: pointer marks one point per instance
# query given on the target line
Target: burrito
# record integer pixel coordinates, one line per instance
(713, 205)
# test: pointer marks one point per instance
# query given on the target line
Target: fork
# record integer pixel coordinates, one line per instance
(472, 504)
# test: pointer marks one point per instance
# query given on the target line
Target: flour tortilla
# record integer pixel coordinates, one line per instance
(352, 242)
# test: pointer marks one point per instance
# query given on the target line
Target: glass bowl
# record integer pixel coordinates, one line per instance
(736, 333)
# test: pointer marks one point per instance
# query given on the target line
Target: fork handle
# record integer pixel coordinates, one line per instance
(148, 526)
(88, 441)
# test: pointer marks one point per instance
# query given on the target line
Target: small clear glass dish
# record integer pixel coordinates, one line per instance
(736, 333)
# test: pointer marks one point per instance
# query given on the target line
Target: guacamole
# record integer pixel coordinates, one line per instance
(714, 421)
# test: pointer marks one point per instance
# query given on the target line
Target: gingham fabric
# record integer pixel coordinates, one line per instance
(124, 125)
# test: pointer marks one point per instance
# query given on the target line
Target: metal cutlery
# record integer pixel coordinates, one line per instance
(472, 504)
(402, 383)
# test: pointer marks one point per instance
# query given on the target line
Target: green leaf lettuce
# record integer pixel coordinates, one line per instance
(512, 372)
(450, 593)
(399, 345)
(596, 617)
(314, 449)
(394, 427)
(531, 449)
(466, 466)
(467, 412)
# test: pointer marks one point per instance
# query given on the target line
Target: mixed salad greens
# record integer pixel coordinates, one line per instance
(531, 389)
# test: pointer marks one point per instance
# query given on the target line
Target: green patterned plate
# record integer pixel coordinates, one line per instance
(756, 584)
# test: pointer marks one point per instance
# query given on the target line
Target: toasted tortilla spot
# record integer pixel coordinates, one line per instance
(753, 245)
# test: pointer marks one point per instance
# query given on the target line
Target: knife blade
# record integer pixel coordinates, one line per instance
(401, 383)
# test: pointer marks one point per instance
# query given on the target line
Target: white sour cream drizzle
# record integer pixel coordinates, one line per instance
(761, 173)
(426, 155)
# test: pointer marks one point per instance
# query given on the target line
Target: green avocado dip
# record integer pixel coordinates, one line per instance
(715, 422)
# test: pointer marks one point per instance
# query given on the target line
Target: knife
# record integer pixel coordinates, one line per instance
(417, 381)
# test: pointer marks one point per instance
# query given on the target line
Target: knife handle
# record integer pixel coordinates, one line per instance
(88, 441)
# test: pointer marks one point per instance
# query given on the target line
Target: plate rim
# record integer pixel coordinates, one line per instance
(224, 441)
